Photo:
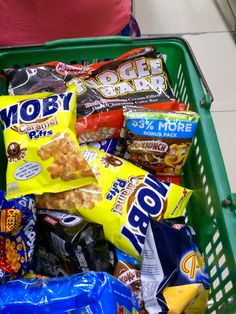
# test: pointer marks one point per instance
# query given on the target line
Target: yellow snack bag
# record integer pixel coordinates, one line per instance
(199, 304)
(122, 201)
(41, 145)
(177, 297)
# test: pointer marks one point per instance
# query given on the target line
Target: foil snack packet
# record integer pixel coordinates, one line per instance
(173, 273)
(80, 246)
(46, 77)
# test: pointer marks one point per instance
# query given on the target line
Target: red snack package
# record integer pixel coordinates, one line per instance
(171, 179)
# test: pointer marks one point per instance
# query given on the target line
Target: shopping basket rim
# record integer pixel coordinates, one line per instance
(117, 39)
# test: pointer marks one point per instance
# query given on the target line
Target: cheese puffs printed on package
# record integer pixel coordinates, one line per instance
(41, 146)
(173, 273)
(138, 77)
(17, 236)
(159, 141)
(122, 200)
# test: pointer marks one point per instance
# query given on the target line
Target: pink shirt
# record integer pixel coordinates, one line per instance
(25, 22)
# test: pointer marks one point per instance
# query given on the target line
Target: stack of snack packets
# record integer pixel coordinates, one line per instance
(101, 147)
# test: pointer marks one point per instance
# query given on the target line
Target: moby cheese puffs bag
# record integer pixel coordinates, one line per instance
(122, 200)
(42, 151)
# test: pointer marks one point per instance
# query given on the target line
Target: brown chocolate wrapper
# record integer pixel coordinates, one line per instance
(130, 276)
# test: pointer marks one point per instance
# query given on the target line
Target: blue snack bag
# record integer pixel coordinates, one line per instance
(83, 293)
(17, 236)
(126, 258)
(173, 272)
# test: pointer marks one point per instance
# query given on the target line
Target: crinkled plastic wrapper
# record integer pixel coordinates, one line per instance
(122, 200)
(83, 294)
(47, 77)
(42, 149)
(173, 273)
(17, 236)
(76, 245)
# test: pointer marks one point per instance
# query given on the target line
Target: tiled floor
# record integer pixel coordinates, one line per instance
(202, 25)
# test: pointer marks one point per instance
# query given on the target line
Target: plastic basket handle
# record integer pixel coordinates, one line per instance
(88, 41)
(209, 97)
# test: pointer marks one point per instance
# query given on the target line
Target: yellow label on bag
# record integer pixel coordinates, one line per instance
(179, 297)
(122, 201)
(199, 304)
(41, 146)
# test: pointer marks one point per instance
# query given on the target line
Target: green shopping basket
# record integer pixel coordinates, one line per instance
(211, 210)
